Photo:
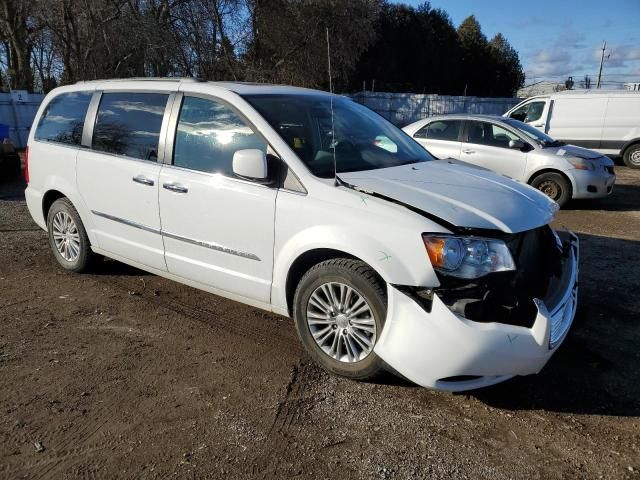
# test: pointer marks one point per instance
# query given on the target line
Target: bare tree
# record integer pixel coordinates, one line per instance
(289, 42)
(15, 34)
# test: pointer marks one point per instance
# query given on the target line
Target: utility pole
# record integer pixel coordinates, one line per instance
(604, 47)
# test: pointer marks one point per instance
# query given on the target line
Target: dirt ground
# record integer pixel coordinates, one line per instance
(124, 374)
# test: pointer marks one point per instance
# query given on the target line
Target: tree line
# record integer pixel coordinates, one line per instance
(374, 44)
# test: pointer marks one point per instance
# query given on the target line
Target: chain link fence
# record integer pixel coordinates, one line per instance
(404, 108)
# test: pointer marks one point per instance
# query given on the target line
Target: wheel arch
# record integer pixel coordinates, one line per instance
(59, 190)
(396, 255)
(306, 261)
(542, 171)
(628, 145)
(48, 198)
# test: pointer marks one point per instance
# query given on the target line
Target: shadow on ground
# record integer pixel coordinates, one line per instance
(108, 267)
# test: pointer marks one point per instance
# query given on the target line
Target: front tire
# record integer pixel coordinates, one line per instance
(68, 237)
(632, 156)
(555, 186)
(339, 310)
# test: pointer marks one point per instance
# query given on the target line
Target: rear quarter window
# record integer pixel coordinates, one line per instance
(128, 123)
(440, 130)
(63, 118)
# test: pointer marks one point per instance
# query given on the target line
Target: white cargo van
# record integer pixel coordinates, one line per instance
(605, 121)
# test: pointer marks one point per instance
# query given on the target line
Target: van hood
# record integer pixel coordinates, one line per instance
(460, 194)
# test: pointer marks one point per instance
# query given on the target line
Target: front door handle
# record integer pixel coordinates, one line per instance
(143, 180)
(468, 151)
(175, 187)
(537, 125)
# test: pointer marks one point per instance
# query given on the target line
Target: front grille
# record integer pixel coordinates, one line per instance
(563, 298)
(537, 258)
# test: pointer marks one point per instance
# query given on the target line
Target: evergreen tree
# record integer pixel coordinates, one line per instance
(508, 76)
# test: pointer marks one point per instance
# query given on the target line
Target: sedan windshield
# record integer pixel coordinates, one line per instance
(533, 133)
(359, 137)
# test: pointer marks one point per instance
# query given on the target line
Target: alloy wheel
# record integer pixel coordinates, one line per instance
(66, 236)
(341, 322)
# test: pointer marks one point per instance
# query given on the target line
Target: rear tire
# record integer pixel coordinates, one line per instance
(347, 329)
(632, 156)
(555, 186)
(68, 238)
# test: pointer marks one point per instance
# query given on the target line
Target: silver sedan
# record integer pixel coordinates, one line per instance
(515, 149)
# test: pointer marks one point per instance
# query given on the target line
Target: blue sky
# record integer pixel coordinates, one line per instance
(562, 37)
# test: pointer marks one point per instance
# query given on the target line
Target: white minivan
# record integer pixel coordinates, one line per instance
(605, 121)
(311, 206)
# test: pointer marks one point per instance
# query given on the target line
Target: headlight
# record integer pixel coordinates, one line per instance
(581, 164)
(467, 257)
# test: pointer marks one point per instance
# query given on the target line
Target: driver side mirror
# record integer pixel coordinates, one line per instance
(251, 164)
(516, 144)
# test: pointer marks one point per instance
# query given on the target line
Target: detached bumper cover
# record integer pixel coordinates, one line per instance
(431, 348)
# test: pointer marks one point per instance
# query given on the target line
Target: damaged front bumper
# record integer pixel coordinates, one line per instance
(442, 350)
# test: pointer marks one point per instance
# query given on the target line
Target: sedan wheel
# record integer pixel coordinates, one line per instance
(550, 188)
(555, 186)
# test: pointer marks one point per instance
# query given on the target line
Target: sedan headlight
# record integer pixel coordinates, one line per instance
(581, 164)
(468, 257)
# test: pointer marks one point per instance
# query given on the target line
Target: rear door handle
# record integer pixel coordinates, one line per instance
(537, 125)
(143, 180)
(468, 151)
(175, 187)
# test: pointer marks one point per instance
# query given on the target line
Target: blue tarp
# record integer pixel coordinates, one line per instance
(17, 110)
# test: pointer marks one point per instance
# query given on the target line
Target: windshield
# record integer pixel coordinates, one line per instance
(531, 132)
(363, 139)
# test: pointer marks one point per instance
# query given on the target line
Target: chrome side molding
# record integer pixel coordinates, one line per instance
(210, 245)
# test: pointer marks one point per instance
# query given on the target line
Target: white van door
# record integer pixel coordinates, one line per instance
(535, 113)
(578, 119)
(621, 124)
(118, 177)
(218, 230)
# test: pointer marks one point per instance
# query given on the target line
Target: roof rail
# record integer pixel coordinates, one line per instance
(145, 79)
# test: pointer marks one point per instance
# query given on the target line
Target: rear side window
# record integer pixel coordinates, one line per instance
(129, 124)
(440, 130)
(208, 135)
(63, 118)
